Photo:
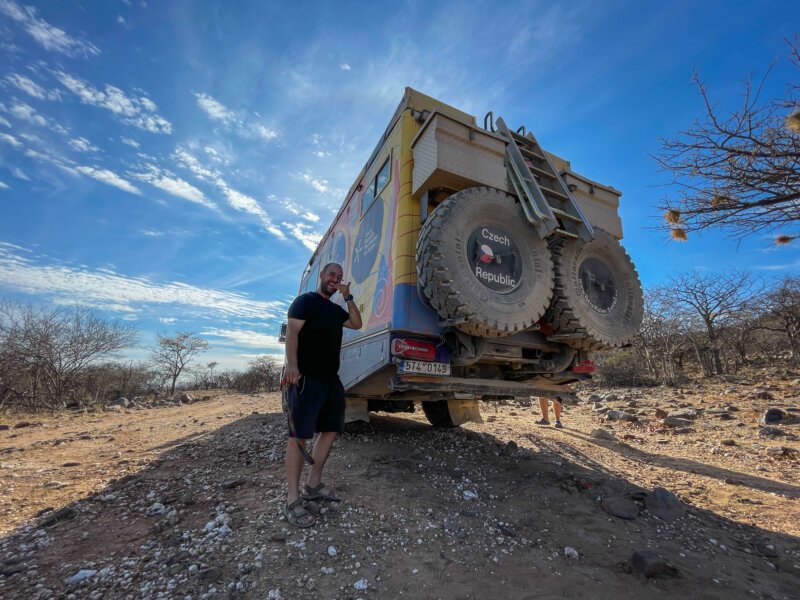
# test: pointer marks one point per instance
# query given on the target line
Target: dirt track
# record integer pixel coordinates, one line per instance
(485, 509)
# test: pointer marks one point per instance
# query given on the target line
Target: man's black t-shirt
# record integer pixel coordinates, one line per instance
(320, 339)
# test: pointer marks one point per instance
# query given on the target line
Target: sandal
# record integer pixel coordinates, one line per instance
(315, 493)
(295, 517)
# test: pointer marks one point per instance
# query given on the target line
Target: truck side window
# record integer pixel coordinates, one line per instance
(383, 178)
(375, 186)
(311, 284)
(368, 197)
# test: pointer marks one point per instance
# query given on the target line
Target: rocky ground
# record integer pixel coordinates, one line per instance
(185, 502)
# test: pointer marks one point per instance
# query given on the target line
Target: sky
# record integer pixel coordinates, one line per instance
(173, 164)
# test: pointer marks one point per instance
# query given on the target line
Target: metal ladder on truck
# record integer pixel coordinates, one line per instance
(545, 198)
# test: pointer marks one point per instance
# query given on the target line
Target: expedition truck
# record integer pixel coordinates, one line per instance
(484, 268)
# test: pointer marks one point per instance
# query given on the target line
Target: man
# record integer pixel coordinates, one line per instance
(316, 396)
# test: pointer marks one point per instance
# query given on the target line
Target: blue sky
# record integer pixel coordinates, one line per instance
(173, 164)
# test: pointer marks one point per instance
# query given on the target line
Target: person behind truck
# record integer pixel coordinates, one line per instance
(316, 396)
(543, 405)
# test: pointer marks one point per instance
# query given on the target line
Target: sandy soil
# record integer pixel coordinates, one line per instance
(186, 502)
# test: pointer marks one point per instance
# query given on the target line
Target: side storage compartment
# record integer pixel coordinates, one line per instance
(599, 203)
(457, 155)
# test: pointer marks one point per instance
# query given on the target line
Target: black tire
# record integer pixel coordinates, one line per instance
(484, 232)
(437, 413)
(597, 293)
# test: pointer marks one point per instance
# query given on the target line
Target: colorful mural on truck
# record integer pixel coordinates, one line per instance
(374, 240)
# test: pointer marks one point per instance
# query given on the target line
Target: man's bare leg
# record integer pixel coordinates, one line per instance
(544, 405)
(322, 450)
(557, 413)
(294, 468)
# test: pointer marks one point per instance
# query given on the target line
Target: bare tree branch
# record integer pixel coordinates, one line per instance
(739, 171)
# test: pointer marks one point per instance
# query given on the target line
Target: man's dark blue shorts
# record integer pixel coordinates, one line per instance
(315, 406)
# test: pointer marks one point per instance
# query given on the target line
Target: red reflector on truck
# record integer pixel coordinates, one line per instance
(586, 366)
(413, 349)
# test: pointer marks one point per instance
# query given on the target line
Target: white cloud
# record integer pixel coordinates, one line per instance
(288, 206)
(5, 123)
(309, 216)
(344, 67)
(121, 21)
(302, 232)
(317, 184)
(188, 160)
(152, 233)
(10, 139)
(236, 199)
(137, 111)
(66, 283)
(214, 109)
(174, 185)
(266, 133)
(17, 172)
(27, 113)
(110, 178)
(244, 337)
(167, 320)
(50, 37)
(81, 144)
(31, 88)
(234, 120)
(4, 186)
(130, 142)
(250, 205)
(60, 162)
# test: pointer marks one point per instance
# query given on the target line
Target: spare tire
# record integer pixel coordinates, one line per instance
(480, 261)
(597, 293)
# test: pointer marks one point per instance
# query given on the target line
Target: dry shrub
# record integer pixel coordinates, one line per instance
(622, 368)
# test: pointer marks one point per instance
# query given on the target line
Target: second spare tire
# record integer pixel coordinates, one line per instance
(480, 262)
(598, 296)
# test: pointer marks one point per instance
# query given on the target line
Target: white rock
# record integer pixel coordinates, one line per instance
(361, 584)
(81, 575)
(331, 551)
(570, 552)
(274, 595)
(470, 495)
(156, 509)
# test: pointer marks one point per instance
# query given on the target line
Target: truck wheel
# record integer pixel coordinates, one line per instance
(597, 293)
(478, 259)
(437, 413)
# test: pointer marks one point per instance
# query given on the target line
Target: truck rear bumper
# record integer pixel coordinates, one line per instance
(475, 387)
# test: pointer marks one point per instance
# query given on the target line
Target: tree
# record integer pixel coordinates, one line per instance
(739, 171)
(172, 354)
(663, 335)
(45, 351)
(264, 374)
(716, 299)
(783, 302)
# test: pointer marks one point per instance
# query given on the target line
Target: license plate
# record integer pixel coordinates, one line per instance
(425, 368)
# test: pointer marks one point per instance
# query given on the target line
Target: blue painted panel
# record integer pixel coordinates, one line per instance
(410, 314)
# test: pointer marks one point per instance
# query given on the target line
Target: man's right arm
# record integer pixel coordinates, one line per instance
(292, 372)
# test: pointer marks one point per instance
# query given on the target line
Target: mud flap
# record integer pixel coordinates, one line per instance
(464, 411)
(356, 410)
